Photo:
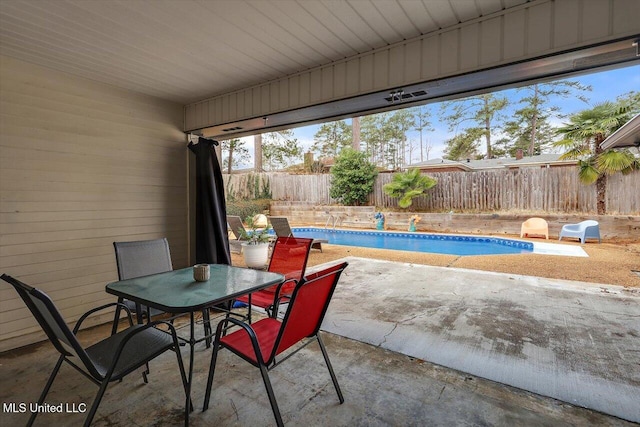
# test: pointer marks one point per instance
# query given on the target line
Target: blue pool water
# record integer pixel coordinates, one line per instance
(419, 242)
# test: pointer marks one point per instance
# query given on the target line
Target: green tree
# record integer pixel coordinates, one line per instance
(464, 145)
(585, 132)
(352, 177)
(537, 109)
(408, 185)
(372, 134)
(385, 137)
(234, 153)
(331, 138)
(422, 123)
(280, 149)
(519, 132)
(398, 124)
(481, 111)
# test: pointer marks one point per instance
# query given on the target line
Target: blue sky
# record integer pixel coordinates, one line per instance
(606, 86)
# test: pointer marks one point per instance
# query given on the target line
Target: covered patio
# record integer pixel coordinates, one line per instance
(100, 99)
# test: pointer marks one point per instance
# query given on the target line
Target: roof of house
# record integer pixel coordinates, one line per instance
(628, 135)
(484, 164)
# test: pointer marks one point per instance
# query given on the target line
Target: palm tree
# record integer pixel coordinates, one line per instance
(583, 135)
(408, 185)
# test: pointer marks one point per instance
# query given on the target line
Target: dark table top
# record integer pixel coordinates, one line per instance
(177, 291)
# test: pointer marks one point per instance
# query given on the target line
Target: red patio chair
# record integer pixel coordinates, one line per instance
(289, 257)
(261, 342)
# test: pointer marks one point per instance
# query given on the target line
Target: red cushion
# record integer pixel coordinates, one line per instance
(266, 331)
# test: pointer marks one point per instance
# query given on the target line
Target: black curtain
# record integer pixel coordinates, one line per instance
(212, 239)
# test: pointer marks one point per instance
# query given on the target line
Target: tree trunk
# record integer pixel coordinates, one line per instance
(601, 182)
(534, 123)
(257, 153)
(601, 190)
(487, 128)
(355, 132)
(230, 159)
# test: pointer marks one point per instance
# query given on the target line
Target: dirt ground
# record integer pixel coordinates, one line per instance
(612, 263)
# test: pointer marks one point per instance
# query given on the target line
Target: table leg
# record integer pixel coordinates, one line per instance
(192, 344)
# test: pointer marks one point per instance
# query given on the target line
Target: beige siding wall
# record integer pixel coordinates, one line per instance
(82, 164)
(535, 29)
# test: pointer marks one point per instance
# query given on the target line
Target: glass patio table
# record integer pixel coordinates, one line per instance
(177, 292)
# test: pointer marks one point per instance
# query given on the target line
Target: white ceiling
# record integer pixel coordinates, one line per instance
(189, 50)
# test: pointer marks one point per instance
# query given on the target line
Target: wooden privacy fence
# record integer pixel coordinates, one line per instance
(526, 189)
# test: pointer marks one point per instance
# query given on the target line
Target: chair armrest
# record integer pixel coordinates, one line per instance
(248, 329)
(82, 318)
(281, 285)
(277, 297)
(130, 333)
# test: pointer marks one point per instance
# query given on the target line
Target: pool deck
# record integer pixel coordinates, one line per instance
(544, 248)
(572, 341)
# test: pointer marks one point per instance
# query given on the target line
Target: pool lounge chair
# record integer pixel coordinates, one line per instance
(584, 230)
(536, 226)
(282, 228)
(235, 224)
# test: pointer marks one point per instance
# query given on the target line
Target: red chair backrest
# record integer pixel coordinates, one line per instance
(289, 257)
(307, 308)
(322, 272)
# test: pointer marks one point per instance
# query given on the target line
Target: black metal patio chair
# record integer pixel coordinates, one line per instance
(142, 258)
(108, 360)
(282, 228)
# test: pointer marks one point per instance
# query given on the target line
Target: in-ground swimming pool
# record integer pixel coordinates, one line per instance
(419, 242)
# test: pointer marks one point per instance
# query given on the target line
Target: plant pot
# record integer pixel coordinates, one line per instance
(256, 256)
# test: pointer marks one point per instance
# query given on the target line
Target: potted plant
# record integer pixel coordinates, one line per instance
(255, 246)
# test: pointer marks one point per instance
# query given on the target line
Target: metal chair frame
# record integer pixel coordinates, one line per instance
(270, 298)
(282, 228)
(297, 325)
(157, 260)
(129, 349)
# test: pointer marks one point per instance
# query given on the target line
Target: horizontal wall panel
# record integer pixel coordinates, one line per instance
(340, 79)
(514, 45)
(353, 76)
(397, 66)
(539, 25)
(625, 16)
(430, 65)
(596, 19)
(294, 91)
(490, 46)
(83, 164)
(469, 52)
(537, 28)
(567, 22)
(412, 61)
(381, 65)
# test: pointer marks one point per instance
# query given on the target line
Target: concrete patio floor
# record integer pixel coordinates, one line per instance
(381, 388)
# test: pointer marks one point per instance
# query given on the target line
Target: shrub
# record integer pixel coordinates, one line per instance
(353, 177)
(408, 185)
(247, 208)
